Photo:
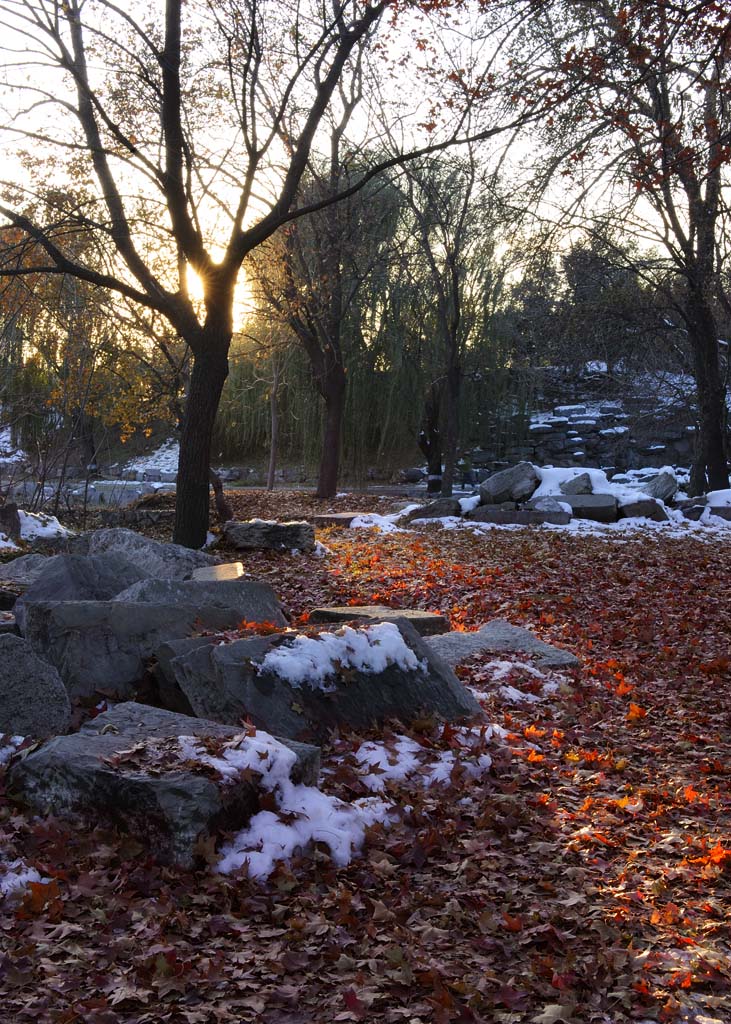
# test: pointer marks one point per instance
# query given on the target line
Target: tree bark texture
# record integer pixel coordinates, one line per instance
(710, 471)
(210, 369)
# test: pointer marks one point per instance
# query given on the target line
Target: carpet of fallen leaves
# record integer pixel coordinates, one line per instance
(584, 879)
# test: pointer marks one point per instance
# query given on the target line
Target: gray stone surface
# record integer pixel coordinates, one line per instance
(10, 521)
(26, 569)
(260, 534)
(33, 700)
(499, 637)
(648, 508)
(435, 510)
(693, 512)
(79, 578)
(152, 557)
(151, 791)
(425, 623)
(221, 682)
(245, 599)
(580, 484)
(602, 508)
(515, 484)
(663, 486)
(218, 573)
(722, 511)
(520, 517)
(103, 645)
(547, 504)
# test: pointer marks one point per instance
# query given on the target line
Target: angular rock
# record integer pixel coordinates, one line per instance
(486, 511)
(693, 512)
(602, 508)
(229, 682)
(33, 699)
(412, 475)
(245, 599)
(547, 504)
(580, 484)
(152, 557)
(663, 486)
(499, 637)
(128, 767)
(103, 645)
(514, 484)
(722, 511)
(79, 578)
(25, 570)
(521, 517)
(219, 573)
(435, 510)
(647, 508)
(425, 623)
(261, 534)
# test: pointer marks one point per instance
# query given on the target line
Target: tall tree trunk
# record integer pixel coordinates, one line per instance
(451, 420)
(710, 470)
(332, 389)
(274, 413)
(430, 438)
(210, 369)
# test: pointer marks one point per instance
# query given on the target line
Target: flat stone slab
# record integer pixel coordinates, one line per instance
(602, 508)
(722, 511)
(247, 600)
(343, 519)
(264, 535)
(500, 637)
(425, 623)
(304, 686)
(218, 573)
(129, 767)
(519, 517)
(646, 508)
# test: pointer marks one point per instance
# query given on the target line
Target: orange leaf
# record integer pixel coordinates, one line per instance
(635, 712)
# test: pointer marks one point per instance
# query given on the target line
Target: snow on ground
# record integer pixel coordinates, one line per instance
(15, 877)
(164, 460)
(312, 661)
(8, 452)
(403, 758)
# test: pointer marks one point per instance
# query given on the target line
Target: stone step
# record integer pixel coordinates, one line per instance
(425, 623)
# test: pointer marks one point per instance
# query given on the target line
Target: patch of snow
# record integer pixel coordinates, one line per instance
(313, 661)
(467, 504)
(719, 499)
(384, 524)
(164, 460)
(15, 876)
(320, 550)
(9, 748)
(34, 526)
(8, 451)
(611, 431)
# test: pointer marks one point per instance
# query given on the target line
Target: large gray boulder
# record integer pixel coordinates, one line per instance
(499, 637)
(580, 484)
(104, 645)
(602, 508)
(33, 699)
(662, 487)
(79, 578)
(130, 766)
(515, 484)
(265, 680)
(152, 557)
(261, 534)
(248, 600)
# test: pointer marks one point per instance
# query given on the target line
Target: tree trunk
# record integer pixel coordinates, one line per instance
(224, 511)
(451, 419)
(430, 439)
(710, 471)
(274, 411)
(208, 376)
(333, 391)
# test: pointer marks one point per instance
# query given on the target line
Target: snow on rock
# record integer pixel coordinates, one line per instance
(384, 524)
(314, 660)
(719, 499)
(467, 504)
(34, 526)
(8, 746)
